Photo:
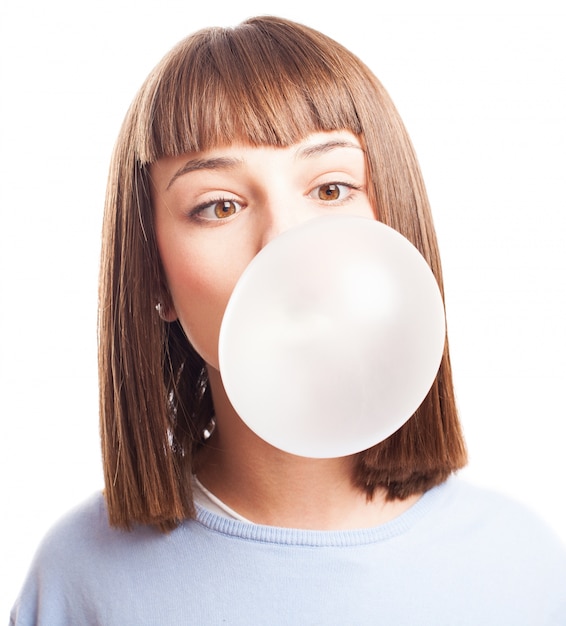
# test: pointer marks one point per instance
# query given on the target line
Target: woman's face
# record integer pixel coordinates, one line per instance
(215, 210)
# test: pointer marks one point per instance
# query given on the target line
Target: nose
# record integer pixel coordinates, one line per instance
(277, 217)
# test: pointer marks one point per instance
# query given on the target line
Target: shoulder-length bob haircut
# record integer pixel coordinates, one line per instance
(269, 82)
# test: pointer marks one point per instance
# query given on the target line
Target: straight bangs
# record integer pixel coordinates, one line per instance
(259, 84)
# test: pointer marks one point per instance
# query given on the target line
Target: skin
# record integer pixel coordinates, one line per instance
(214, 211)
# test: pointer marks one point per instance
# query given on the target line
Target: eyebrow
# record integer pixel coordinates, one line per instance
(217, 163)
(227, 163)
(326, 146)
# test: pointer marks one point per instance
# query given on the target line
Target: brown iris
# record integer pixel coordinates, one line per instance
(329, 192)
(225, 208)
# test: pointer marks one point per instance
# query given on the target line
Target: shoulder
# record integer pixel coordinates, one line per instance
(499, 539)
(84, 538)
(479, 508)
(466, 510)
(71, 563)
(81, 532)
(87, 518)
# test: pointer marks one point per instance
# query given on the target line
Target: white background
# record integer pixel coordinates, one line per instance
(481, 87)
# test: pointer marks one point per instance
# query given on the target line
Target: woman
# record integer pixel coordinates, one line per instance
(237, 135)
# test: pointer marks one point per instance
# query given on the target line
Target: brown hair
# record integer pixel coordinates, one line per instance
(268, 82)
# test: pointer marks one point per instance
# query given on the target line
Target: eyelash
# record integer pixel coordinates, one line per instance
(196, 212)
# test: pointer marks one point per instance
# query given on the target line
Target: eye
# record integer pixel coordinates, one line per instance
(330, 191)
(225, 208)
(333, 192)
(217, 210)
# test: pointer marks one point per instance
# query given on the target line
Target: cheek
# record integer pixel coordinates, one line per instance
(200, 283)
(366, 210)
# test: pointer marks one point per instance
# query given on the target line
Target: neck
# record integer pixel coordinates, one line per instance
(269, 486)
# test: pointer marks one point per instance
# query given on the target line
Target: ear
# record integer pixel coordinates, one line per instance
(166, 312)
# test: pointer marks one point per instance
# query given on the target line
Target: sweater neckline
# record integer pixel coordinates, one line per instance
(300, 537)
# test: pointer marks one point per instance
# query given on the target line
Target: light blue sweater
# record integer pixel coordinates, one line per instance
(460, 556)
